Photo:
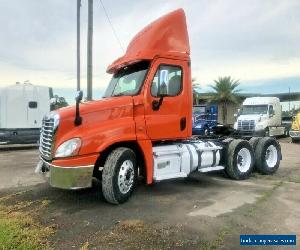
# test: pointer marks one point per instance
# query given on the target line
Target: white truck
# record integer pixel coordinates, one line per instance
(22, 107)
(260, 116)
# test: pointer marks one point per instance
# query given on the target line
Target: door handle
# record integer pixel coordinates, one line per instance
(182, 123)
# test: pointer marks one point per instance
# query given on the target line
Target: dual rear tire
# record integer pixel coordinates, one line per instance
(261, 154)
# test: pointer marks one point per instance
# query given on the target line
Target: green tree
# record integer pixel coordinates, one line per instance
(59, 102)
(196, 86)
(225, 92)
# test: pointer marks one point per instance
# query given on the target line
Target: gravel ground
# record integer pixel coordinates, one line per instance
(203, 212)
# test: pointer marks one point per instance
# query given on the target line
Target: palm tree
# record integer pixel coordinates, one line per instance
(225, 92)
(196, 86)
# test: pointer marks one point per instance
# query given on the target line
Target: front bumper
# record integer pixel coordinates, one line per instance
(75, 177)
(295, 134)
(250, 133)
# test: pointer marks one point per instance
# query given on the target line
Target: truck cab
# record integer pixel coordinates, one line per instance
(143, 124)
(260, 116)
(204, 119)
(295, 129)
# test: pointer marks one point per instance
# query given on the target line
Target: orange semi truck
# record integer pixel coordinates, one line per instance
(143, 124)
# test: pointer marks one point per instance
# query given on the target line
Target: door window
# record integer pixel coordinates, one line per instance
(271, 110)
(32, 105)
(167, 81)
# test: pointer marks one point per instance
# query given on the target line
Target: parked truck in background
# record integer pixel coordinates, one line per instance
(143, 125)
(22, 108)
(260, 116)
(295, 129)
(204, 119)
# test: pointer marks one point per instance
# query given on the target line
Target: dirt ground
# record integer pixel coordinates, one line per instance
(203, 212)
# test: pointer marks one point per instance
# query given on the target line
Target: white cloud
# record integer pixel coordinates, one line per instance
(248, 40)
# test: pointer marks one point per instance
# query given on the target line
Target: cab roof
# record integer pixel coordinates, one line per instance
(165, 37)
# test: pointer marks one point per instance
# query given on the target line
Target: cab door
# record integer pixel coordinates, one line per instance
(168, 104)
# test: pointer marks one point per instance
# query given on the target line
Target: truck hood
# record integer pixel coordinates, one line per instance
(97, 116)
(85, 108)
(256, 118)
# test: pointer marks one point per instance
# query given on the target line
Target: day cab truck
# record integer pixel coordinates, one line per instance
(295, 129)
(143, 125)
(261, 116)
(204, 119)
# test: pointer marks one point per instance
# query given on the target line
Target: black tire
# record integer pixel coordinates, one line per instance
(263, 151)
(253, 142)
(294, 140)
(112, 191)
(233, 166)
(286, 132)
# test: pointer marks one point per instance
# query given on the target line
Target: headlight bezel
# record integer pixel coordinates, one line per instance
(68, 148)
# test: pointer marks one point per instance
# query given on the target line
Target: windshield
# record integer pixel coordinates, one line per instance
(128, 80)
(254, 110)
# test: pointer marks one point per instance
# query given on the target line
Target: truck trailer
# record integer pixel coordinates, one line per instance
(22, 108)
(261, 116)
(143, 125)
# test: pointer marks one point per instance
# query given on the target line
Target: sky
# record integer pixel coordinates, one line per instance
(255, 41)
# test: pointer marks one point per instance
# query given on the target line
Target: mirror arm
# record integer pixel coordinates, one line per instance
(78, 118)
(156, 104)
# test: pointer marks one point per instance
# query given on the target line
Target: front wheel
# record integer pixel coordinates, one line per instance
(119, 176)
(267, 155)
(240, 160)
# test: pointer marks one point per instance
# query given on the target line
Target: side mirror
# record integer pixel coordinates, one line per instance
(235, 115)
(79, 96)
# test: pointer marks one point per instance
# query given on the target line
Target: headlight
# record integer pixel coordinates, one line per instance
(69, 148)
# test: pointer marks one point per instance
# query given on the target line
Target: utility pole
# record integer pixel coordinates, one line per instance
(78, 44)
(90, 51)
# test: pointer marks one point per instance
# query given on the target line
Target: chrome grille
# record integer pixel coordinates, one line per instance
(246, 125)
(46, 139)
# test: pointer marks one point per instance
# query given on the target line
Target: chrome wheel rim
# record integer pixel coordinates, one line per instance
(126, 176)
(271, 156)
(244, 160)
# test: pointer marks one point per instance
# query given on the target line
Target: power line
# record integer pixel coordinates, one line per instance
(111, 25)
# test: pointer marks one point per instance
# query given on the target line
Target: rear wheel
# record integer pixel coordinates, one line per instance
(119, 176)
(267, 155)
(253, 142)
(240, 160)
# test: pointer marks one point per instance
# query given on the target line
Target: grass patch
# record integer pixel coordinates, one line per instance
(217, 243)
(265, 196)
(295, 179)
(19, 229)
